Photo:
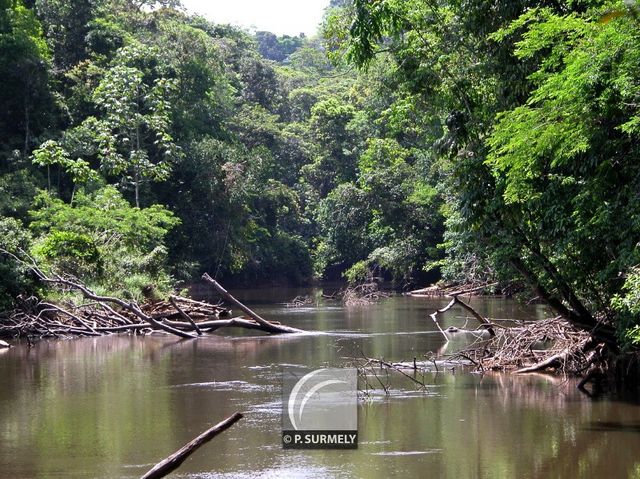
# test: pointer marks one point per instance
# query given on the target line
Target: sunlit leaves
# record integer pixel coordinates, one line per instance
(141, 227)
(51, 153)
(561, 117)
(134, 135)
(567, 159)
(102, 238)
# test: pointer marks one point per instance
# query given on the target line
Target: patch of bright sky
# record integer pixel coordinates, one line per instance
(282, 17)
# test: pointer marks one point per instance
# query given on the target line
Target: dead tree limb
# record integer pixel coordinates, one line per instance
(434, 316)
(207, 326)
(219, 308)
(123, 328)
(266, 325)
(115, 314)
(475, 289)
(174, 461)
(484, 321)
(396, 368)
(172, 300)
(76, 318)
(447, 291)
(210, 326)
(456, 300)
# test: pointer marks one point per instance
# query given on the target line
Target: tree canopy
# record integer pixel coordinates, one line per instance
(412, 140)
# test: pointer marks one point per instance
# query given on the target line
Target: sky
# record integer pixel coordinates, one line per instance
(282, 17)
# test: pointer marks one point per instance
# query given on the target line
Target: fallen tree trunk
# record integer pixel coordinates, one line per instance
(551, 362)
(207, 326)
(224, 323)
(174, 461)
(266, 325)
(435, 291)
(428, 291)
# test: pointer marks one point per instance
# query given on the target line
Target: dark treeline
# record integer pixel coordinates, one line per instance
(411, 140)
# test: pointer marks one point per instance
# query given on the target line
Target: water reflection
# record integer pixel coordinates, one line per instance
(110, 407)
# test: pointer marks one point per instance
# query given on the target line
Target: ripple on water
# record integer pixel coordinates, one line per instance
(273, 408)
(278, 366)
(241, 386)
(405, 453)
(302, 471)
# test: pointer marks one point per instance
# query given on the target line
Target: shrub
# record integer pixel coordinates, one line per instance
(71, 252)
(103, 240)
(627, 305)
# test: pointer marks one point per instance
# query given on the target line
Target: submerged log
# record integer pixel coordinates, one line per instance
(174, 461)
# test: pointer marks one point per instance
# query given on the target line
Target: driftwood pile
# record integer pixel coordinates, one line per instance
(102, 315)
(41, 319)
(550, 344)
(361, 294)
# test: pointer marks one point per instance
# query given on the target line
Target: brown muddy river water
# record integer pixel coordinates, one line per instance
(112, 407)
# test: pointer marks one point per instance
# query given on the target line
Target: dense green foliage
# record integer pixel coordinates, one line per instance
(473, 140)
(101, 238)
(535, 106)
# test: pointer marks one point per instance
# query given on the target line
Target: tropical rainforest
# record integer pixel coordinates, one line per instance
(470, 141)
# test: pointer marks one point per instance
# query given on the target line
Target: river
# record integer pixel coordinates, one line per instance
(112, 407)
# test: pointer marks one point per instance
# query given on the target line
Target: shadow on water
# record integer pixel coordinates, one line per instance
(613, 427)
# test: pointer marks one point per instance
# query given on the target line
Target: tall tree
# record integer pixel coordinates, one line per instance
(134, 135)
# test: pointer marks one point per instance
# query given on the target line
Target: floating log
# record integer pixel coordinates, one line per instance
(174, 461)
(429, 291)
(434, 291)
